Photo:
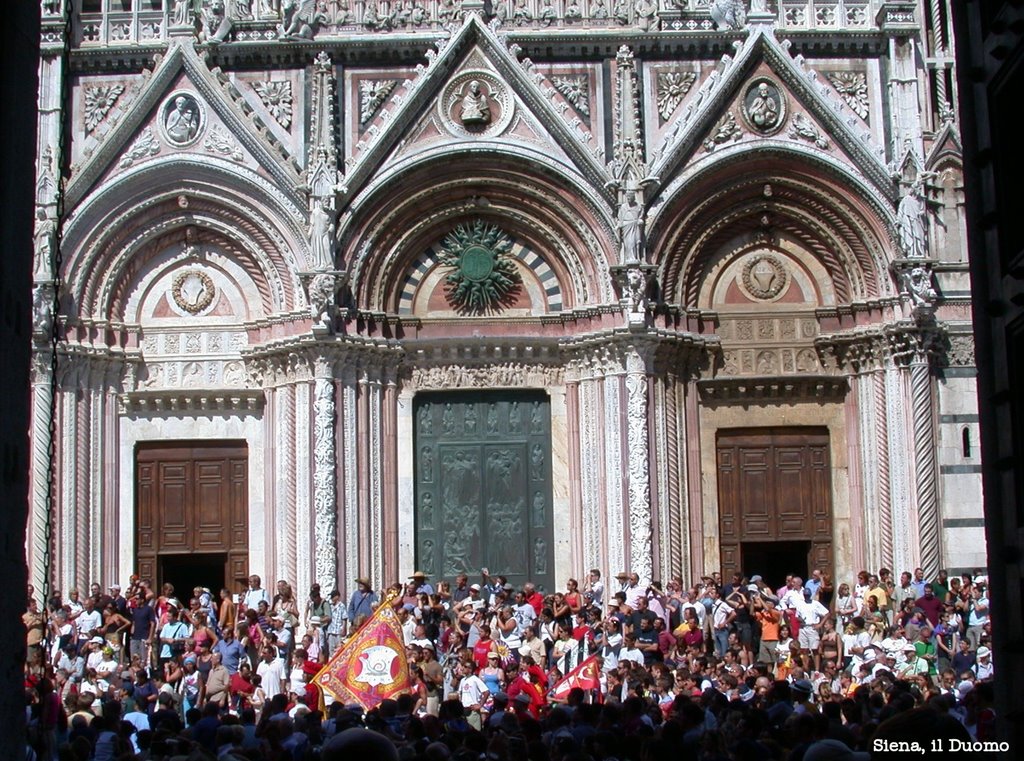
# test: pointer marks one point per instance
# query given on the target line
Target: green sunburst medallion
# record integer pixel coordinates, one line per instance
(484, 277)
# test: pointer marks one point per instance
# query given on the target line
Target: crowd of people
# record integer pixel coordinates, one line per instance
(739, 669)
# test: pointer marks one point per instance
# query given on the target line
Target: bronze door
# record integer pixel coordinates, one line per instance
(774, 486)
(483, 485)
(192, 505)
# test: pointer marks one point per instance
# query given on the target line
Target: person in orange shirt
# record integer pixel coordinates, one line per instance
(769, 618)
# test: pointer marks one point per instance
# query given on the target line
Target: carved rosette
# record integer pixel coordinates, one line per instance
(324, 491)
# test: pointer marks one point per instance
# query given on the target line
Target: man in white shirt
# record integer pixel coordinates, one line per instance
(722, 615)
(473, 693)
(255, 593)
(811, 614)
(271, 673)
(523, 613)
(596, 590)
(90, 622)
(977, 616)
(633, 590)
(856, 643)
(793, 595)
(629, 651)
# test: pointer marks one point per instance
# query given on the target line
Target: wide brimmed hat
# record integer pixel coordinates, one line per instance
(419, 575)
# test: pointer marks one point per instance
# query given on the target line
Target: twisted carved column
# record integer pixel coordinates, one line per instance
(639, 486)
(924, 462)
(882, 464)
(42, 416)
(325, 496)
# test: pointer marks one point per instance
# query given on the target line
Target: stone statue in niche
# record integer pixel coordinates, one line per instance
(448, 420)
(631, 227)
(764, 108)
(426, 421)
(321, 237)
(469, 421)
(911, 217)
(475, 107)
(492, 419)
(45, 233)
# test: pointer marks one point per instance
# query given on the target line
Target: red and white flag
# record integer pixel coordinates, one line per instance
(586, 676)
(371, 666)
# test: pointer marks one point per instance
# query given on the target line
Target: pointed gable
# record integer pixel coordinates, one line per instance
(724, 109)
(213, 119)
(518, 102)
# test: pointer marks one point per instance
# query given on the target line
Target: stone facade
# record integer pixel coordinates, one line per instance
(282, 223)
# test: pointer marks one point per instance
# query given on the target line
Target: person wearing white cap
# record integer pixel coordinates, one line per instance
(983, 668)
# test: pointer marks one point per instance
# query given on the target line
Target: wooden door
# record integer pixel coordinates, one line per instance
(192, 498)
(483, 485)
(774, 485)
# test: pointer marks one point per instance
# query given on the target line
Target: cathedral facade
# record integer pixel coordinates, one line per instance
(330, 289)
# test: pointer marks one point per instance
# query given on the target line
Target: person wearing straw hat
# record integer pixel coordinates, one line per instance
(362, 602)
(423, 587)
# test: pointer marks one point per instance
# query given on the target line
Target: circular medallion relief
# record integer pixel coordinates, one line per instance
(192, 291)
(182, 119)
(475, 103)
(764, 106)
(764, 277)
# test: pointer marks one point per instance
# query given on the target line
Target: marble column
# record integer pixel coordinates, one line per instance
(925, 477)
(325, 497)
(43, 494)
(641, 550)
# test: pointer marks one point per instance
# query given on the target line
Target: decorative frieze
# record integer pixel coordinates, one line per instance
(503, 375)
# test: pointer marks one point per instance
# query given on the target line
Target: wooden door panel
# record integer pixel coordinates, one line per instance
(192, 499)
(774, 485)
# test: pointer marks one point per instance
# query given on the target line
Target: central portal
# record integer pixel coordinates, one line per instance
(483, 485)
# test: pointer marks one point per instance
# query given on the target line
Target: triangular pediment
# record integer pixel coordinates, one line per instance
(945, 146)
(186, 108)
(473, 90)
(764, 95)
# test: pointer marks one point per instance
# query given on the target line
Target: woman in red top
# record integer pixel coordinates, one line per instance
(573, 598)
(483, 646)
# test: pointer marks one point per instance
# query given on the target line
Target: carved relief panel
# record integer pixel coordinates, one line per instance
(483, 485)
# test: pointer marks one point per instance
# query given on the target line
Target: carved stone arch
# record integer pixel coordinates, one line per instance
(795, 200)
(570, 229)
(108, 236)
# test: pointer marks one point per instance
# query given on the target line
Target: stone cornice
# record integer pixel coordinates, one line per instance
(770, 390)
(192, 401)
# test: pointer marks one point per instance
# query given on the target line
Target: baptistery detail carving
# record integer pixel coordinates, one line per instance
(193, 291)
(764, 106)
(764, 277)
